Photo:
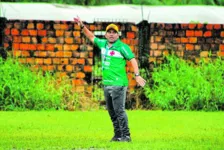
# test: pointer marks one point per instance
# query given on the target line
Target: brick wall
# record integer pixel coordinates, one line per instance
(189, 41)
(61, 48)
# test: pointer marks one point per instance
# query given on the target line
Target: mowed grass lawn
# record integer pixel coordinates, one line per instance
(93, 130)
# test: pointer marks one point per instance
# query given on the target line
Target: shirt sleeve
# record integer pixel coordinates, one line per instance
(126, 52)
(99, 42)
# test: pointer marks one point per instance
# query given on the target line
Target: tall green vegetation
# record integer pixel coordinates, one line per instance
(23, 89)
(181, 85)
(137, 2)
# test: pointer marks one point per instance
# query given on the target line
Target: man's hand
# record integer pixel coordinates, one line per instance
(140, 81)
(78, 20)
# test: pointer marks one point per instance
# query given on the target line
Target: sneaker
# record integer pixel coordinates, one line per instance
(115, 139)
(126, 139)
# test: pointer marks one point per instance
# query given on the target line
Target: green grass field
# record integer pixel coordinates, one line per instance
(93, 130)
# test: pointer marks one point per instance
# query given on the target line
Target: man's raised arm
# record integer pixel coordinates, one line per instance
(85, 30)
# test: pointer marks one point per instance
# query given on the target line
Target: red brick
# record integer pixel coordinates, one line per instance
(64, 26)
(7, 31)
(26, 39)
(221, 47)
(73, 61)
(209, 26)
(189, 47)
(69, 68)
(30, 26)
(69, 40)
(77, 27)
(64, 61)
(15, 46)
(52, 40)
(184, 26)
(34, 40)
(67, 54)
(184, 40)
(15, 31)
(192, 40)
(88, 68)
(30, 60)
(42, 32)
(76, 34)
(220, 54)
(68, 33)
(74, 47)
(48, 61)
(217, 26)
(32, 47)
(153, 46)
(66, 47)
(40, 26)
(81, 61)
(25, 54)
(58, 47)
(92, 27)
(24, 46)
(190, 33)
(41, 54)
(6, 45)
(59, 54)
(57, 26)
(56, 61)
(158, 38)
(22, 60)
(200, 26)
(198, 33)
(59, 32)
(192, 26)
(207, 34)
(77, 82)
(131, 35)
(44, 40)
(17, 53)
(40, 47)
(39, 61)
(25, 32)
(222, 34)
(80, 75)
(17, 39)
(91, 54)
(33, 32)
(50, 47)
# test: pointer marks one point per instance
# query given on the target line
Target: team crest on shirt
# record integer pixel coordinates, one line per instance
(112, 53)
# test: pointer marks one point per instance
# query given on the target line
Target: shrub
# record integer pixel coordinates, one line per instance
(181, 85)
(21, 88)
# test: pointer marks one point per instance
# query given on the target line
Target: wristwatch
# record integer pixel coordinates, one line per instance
(137, 74)
(82, 26)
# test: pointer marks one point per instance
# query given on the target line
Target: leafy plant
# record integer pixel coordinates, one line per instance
(22, 89)
(181, 85)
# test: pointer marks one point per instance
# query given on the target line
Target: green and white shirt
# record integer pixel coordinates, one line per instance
(114, 61)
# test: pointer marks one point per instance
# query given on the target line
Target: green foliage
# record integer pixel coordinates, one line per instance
(22, 89)
(181, 85)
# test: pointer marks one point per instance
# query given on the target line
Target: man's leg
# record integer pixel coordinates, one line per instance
(118, 100)
(113, 116)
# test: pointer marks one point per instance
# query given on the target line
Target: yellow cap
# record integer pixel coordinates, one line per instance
(112, 26)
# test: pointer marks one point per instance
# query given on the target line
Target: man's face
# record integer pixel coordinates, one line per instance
(111, 35)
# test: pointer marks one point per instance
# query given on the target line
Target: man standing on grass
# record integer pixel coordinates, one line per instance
(114, 55)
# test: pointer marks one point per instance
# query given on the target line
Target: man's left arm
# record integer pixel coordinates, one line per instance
(138, 78)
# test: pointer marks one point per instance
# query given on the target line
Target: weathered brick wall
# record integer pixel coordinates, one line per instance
(189, 41)
(61, 48)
